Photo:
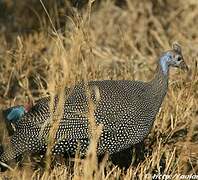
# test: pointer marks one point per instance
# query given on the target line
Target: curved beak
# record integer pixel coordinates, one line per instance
(184, 66)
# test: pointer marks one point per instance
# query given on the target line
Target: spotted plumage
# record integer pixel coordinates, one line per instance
(125, 108)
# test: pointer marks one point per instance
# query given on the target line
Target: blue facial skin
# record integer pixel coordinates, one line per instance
(14, 114)
(165, 61)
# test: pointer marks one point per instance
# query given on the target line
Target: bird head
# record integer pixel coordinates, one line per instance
(14, 114)
(173, 58)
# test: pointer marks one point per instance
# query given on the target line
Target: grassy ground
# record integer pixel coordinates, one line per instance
(109, 42)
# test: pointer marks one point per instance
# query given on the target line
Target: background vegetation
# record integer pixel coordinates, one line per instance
(50, 44)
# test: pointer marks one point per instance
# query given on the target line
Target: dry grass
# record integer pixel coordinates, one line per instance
(111, 43)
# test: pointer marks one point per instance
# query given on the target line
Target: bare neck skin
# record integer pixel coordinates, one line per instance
(159, 83)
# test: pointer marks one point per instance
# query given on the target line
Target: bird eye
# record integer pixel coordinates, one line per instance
(179, 58)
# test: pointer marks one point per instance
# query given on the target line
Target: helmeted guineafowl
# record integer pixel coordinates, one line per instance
(126, 109)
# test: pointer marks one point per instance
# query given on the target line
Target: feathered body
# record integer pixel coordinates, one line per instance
(126, 109)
